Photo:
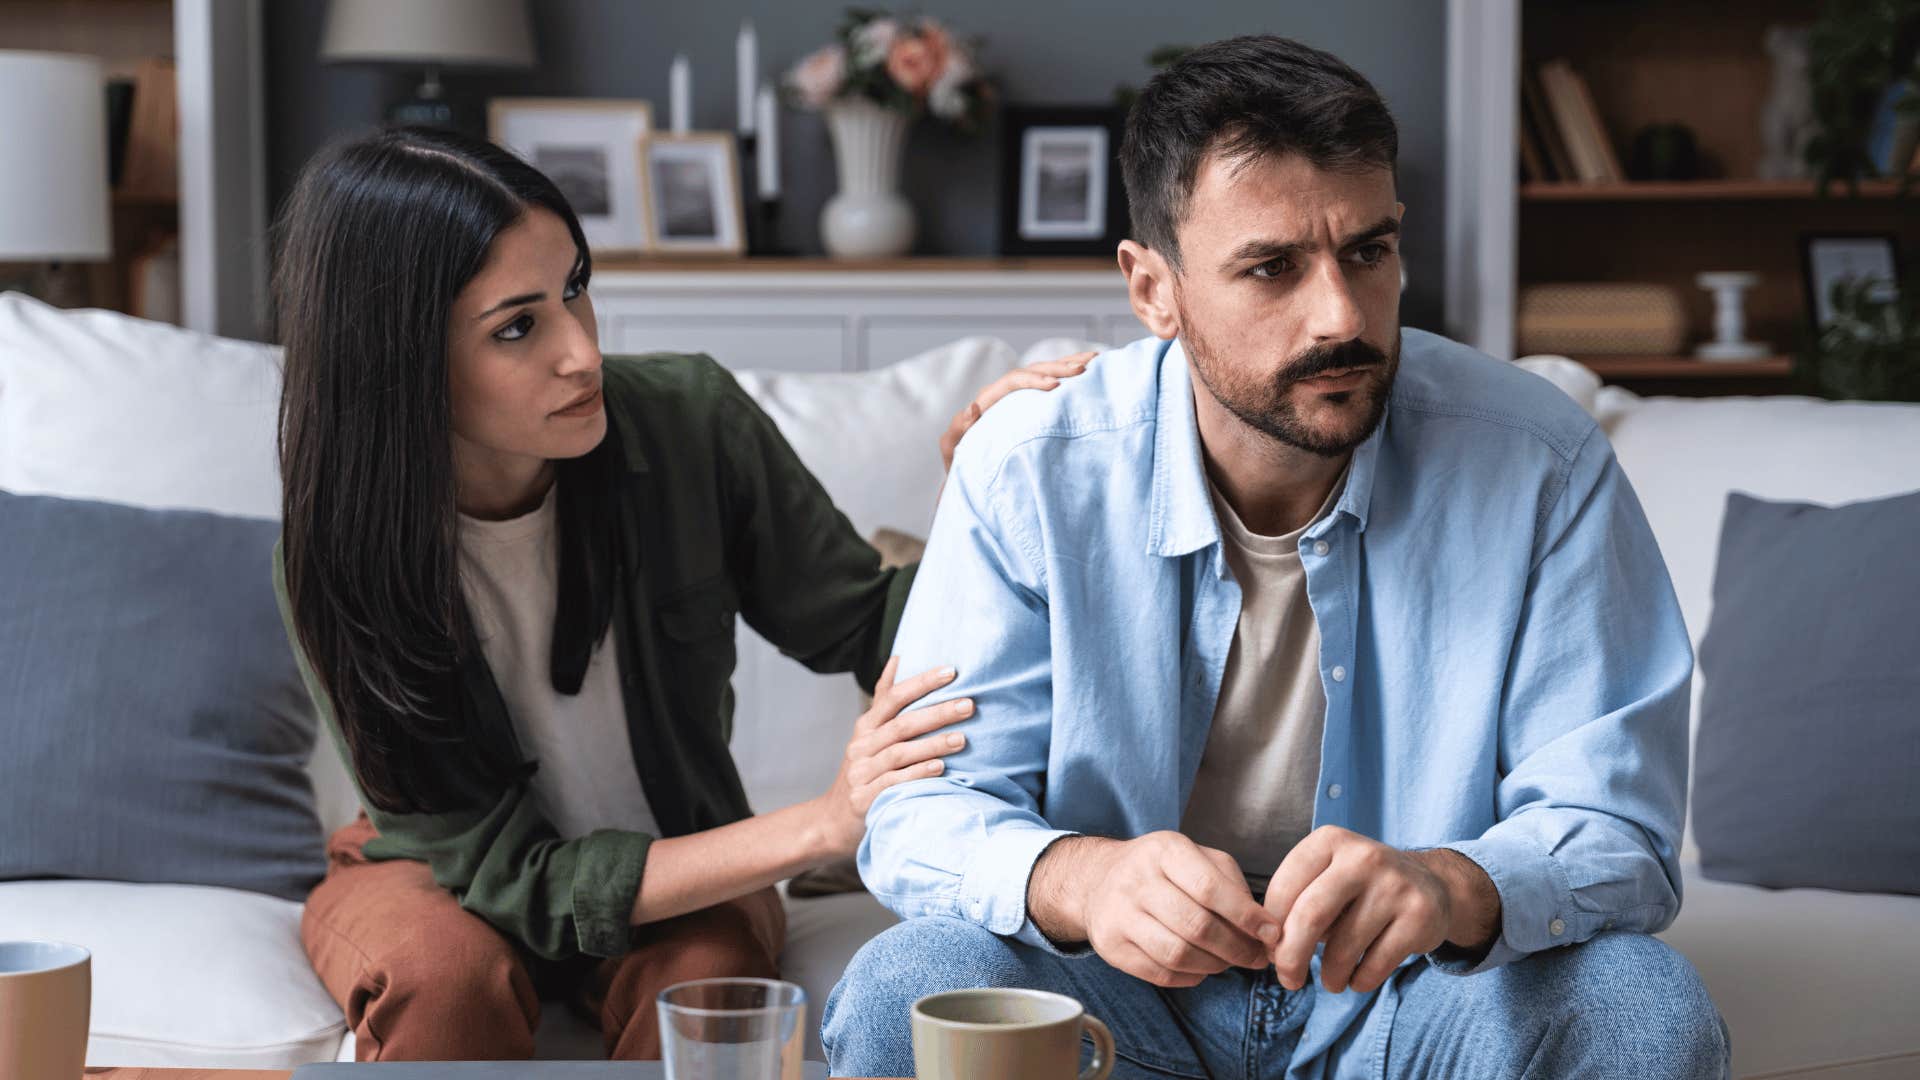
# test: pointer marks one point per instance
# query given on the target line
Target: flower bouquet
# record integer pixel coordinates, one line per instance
(910, 64)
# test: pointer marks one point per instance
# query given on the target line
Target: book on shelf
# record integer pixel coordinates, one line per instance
(1534, 112)
(151, 165)
(1570, 102)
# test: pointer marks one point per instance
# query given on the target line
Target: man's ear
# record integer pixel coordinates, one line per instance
(1150, 289)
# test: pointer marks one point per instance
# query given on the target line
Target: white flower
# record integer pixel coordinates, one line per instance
(819, 77)
(948, 100)
(872, 42)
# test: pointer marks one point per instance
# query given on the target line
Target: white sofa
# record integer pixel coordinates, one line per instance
(1812, 983)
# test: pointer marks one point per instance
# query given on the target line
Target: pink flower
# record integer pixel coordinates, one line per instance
(819, 77)
(915, 62)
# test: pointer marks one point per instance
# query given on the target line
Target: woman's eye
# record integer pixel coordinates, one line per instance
(516, 329)
(574, 289)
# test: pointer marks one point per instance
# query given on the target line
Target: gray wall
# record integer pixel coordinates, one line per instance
(1042, 51)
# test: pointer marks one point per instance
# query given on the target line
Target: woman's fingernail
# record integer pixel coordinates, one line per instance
(947, 673)
(964, 707)
(956, 740)
(933, 766)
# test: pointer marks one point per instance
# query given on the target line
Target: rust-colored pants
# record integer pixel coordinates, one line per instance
(422, 979)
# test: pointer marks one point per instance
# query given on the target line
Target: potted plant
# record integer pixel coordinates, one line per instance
(1859, 52)
(1870, 349)
(881, 74)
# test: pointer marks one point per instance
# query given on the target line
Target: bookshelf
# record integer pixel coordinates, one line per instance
(1703, 65)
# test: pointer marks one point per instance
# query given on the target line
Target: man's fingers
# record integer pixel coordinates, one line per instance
(1307, 923)
(1214, 881)
(1394, 944)
(1307, 861)
(1352, 936)
(1135, 961)
(1202, 928)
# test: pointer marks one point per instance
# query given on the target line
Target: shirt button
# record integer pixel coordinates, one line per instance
(1339, 673)
(1320, 547)
(1556, 927)
(1334, 790)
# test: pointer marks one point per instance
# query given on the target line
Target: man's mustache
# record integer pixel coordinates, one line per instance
(1337, 357)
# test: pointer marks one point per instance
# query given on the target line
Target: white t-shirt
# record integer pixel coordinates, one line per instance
(509, 571)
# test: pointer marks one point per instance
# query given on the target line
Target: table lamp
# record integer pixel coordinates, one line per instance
(428, 34)
(53, 167)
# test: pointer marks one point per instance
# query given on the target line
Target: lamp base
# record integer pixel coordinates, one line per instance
(428, 107)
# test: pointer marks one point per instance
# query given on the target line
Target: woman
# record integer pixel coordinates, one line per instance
(511, 570)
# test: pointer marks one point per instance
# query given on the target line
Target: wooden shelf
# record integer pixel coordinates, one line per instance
(1613, 368)
(790, 264)
(1686, 190)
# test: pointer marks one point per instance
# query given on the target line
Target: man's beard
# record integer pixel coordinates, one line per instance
(1269, 408)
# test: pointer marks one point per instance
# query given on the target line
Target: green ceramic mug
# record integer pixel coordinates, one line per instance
(1006, 1035)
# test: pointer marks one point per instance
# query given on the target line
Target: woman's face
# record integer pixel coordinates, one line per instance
(523, 364)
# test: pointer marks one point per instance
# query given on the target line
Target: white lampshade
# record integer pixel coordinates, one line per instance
(53, 158)
(449, 33)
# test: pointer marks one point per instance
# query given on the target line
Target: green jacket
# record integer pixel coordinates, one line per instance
(711, 515)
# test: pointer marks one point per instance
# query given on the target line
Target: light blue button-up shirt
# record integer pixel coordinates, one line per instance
(1505, 666)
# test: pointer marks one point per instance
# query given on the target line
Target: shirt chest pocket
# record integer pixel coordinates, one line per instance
(696, 625)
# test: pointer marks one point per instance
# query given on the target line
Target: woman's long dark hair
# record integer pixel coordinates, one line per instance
(378, 237)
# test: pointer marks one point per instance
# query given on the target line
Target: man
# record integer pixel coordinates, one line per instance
(1316, 664)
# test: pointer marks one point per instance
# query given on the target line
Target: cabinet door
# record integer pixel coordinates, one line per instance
(742, 343)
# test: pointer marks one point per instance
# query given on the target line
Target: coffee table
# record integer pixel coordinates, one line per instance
(189, 1075)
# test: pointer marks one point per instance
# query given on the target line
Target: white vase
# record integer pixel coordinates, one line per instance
(868, 218)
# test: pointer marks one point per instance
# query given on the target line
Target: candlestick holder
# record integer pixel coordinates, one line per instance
(1729, 317)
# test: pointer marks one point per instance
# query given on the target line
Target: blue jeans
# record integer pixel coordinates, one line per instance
(1621, 1004)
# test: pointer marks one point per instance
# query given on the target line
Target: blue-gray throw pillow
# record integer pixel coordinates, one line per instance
(1807, 765)
(153, 726)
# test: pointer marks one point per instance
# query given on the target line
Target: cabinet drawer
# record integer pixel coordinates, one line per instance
(765, 343)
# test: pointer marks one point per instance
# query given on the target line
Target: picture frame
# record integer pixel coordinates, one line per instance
(1060, 189)
(591, 149)
(693, 198)
(1825, 258)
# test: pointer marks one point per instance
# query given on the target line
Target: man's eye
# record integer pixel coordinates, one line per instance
(1372, 254)
(1270, 269)
(516, 329)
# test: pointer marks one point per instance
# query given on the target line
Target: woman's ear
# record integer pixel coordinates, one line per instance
(1150, 289)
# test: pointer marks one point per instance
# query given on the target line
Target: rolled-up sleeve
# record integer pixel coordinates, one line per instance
(964, 845)
(1593, 731)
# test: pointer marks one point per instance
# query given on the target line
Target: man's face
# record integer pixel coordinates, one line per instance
(1289, 296)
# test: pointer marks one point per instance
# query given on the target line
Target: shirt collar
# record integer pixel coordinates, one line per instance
(1181, 519)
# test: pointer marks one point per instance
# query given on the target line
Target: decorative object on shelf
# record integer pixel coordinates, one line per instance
(680, 95)
(1577, 118)
(1060, 189)
(152, 166)
(763, 231)
(1869, 348)
(1859, 49)
(1600, 318)
(591, 149)
(1664, 152)
(881, 74)
(1787, 123)
(53, 173)
(1870, 260)
(693, 194)
(1896, 128)
(429, 34)
(153, 282)
(1729, 342)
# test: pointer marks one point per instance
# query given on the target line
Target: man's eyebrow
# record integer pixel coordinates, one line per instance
(512, 301)
(1268, 250)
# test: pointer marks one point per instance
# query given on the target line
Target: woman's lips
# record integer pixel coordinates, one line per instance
(586, 406)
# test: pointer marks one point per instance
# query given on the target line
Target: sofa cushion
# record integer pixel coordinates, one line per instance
(94, 404)
(185, 976)
(1811, 983)
(154, 723)
(1809, 748)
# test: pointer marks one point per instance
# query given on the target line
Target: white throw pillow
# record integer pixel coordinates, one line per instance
(1573, 378)
(97, 405)
(873, 440)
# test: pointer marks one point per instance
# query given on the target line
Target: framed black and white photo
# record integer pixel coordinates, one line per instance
(693, 195)
(1825, 260)
(1060, 190)
(590, 148)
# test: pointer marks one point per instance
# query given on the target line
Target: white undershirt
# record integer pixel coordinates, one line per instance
(509, 571)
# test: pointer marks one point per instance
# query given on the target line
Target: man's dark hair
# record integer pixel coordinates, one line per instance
(1245, 97)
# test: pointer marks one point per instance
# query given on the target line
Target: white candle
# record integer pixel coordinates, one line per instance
(768, 147)
(680, 95)
(747, 56)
